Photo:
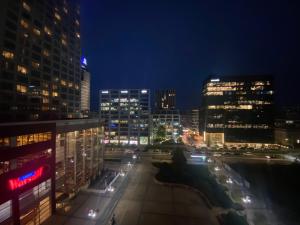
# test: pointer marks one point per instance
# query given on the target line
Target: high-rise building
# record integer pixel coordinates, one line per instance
(126, 115)
(165, 99)
(238, 111)
(39, 59)
(85, 89)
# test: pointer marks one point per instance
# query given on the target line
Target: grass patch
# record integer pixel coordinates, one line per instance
(196, 176)
(233, 219)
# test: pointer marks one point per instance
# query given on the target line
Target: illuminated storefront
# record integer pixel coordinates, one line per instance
(238, 111)
(27, 172)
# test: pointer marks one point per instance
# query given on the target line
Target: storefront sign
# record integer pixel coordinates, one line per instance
(25, 179)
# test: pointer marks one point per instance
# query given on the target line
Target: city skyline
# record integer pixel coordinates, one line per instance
(159, 45)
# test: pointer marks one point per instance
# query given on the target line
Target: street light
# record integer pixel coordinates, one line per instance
(111, 189)
(122, 174)
(229, 181)
(246, 200)
(92, 213)
(217, 168)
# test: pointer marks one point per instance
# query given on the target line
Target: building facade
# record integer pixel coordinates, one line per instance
(238, 111)
(79, 155)
(168, 122)
(85, 89)
(39, 60)
(165, 99)
(190, 119)
(27, 173)
(287, 128)
(43, 164)
(126, 116)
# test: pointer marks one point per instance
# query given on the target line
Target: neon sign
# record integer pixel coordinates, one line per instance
(25, 179)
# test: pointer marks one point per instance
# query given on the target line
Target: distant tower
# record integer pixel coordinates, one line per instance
(85, 88)
(165, 99)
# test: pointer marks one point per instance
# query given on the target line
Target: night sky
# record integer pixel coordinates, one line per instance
(178, 43)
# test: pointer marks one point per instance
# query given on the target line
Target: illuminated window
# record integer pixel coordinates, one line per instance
(24, 24)
(26, 6)
(76, 86)
(63, 41)
(21, 88)
(45, 100)
(8, 55)
(22, 69)
(35, 65)
(45, 92)
(36, 31)
(70, 84)
(77, 35)
(77, 23)
(57, 16)
(63, 83)
(46, 53)
(65, 10)
(54, 94)
(47, 31)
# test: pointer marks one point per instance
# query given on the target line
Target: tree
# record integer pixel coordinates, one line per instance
(161, 133)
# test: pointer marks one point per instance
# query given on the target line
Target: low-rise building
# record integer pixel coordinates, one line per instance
(44, 163)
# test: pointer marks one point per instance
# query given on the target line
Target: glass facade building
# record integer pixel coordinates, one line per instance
(27, 172)
(39, 59)
(238, 111)
(126, 115)
(43, 164)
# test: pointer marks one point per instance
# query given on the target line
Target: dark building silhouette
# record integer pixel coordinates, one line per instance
(39, 59)
(165, 99)
(238, 111)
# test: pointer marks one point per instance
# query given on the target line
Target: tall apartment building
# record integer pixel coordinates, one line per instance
(85, 88)
(39, 59)
(238, 111)
(126, 115)
(42, 164)
(165, 99)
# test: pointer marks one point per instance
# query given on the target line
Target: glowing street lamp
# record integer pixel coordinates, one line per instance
(229, 181)
(217, 169)
(92, 213)
(246, 200)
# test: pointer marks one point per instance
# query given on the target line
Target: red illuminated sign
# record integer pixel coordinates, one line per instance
(25, 179)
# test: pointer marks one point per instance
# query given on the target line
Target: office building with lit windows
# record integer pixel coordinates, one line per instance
(165, 99)
(44, 164)
(238, 111)
(126, 115)
(85, 89)
(39, 59)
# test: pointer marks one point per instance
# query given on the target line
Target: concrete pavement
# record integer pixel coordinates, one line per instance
(146, 203)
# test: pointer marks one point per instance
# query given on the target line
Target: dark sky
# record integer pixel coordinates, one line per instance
(178, 43)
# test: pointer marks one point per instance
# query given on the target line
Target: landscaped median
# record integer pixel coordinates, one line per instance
(199, 178)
